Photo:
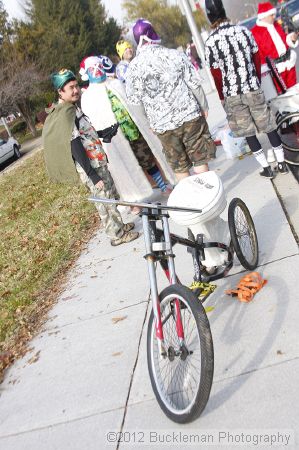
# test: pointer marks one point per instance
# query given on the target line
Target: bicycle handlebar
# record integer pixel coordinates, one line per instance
(141, 205)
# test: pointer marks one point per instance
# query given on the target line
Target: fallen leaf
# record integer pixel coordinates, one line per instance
(70, 297)
(118, 319)
(34, 358)
(116, 354)
(209, 308)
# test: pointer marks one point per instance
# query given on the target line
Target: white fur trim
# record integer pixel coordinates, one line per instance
(267, 13)
(290, 42)
(289, 64)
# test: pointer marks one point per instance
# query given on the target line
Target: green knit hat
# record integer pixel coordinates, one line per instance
(59, 79)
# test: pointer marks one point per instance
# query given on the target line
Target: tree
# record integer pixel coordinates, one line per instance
(61, 32)
(56, 34)
(105, 32)
(18, 82)
(5, 32)
(167, 20)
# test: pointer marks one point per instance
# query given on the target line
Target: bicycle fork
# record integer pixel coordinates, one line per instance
(163, 247)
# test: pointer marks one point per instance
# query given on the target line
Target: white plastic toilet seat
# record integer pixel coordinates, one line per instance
(203, 191)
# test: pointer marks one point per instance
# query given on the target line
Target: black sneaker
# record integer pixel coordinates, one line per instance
(282, 168)
(267, 173)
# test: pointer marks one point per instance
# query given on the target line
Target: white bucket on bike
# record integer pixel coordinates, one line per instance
(205, 192)
(287, 102)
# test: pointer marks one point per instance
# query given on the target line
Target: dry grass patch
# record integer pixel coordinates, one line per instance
(43, 228)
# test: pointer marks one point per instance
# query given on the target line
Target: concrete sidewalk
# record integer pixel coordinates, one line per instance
(87, 374)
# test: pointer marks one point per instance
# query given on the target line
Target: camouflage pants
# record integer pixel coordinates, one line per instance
(248, 113)
(109, 214)
(188, 145)
(143, 153)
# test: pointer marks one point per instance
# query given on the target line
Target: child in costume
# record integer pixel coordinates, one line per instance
(126, 52)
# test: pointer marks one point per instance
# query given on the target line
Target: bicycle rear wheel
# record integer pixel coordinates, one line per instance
(243, 234)
(181, 378)
(288, 130)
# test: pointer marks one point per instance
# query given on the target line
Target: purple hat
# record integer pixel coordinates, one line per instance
(144, 31)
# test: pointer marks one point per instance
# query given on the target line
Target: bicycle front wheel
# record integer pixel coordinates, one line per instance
(182, 376)
(243, 234)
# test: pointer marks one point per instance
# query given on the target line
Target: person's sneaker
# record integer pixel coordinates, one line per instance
(282, 168)
(270, 156)
(267, 172)
(128, 236)
(128, 226)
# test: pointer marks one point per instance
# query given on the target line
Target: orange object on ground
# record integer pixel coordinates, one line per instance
(249, 285)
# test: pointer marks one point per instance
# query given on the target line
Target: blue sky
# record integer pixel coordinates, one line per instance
(14, 8)
(113, 7)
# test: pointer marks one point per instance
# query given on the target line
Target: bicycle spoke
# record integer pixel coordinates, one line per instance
(179, 378)
(244, 234)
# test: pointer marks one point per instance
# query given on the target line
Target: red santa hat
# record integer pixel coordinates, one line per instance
(265, 9)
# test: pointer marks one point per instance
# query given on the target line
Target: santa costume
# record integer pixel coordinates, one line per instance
(273, 42)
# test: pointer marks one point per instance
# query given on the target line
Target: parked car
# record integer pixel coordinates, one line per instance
(290, 15)
(8, 149)
(248, 23)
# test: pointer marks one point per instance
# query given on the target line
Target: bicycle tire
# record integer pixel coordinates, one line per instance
(197, 368)
(289, 135)
(242, 232)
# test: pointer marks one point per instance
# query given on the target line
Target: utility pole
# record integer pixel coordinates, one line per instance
(197, 39)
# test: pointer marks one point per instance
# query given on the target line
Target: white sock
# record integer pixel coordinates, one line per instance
(261, 158)
(279, 155)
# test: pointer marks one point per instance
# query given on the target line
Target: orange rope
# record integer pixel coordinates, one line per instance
(249, 285)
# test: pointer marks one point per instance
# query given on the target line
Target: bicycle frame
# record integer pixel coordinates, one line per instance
(154, 251)
(158, 246)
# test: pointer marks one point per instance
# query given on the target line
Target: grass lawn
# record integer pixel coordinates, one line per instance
(43, 228)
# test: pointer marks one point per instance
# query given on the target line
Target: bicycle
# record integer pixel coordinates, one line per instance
(180, 353)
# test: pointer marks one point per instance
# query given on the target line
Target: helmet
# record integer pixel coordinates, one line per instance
(215, 10)
(144, 31)
(92, 62)
(121, 70)
(59, 79)
(121, 47)
(108, 65)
